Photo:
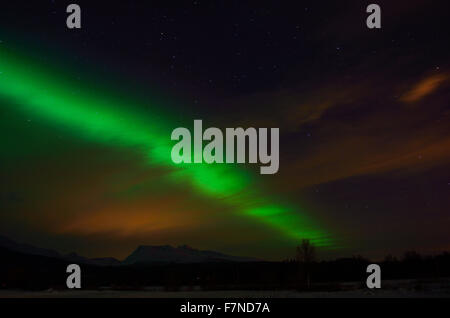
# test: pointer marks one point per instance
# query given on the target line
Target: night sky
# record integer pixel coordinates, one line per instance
(364, 118)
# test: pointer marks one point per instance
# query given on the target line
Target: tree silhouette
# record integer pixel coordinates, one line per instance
(305, 256)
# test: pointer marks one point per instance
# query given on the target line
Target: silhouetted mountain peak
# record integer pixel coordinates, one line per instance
(142, 254)
(26, 248)
(180, 254)
(71, 257)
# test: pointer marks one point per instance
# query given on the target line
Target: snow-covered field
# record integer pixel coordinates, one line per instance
(359, 293)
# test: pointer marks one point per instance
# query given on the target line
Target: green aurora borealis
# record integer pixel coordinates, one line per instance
(86, 117)
(102, 117)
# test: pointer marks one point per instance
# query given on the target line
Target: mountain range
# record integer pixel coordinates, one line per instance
(144, 254)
